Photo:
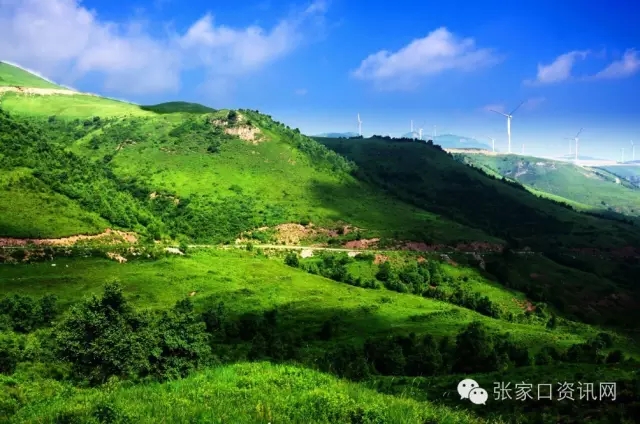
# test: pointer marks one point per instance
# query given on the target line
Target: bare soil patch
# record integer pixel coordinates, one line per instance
(108, 236)
(379, 259)
(362, 244)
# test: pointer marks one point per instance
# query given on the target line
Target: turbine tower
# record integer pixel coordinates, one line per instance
(359, 126)
(508, 116)
(576, 140)
(493, 143)
(420, 129)
(633, 151)
(412, 126)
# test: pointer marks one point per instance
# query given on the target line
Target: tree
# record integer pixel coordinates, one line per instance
(292, 260)
(473, 348)
(104, 336)
(384, 271)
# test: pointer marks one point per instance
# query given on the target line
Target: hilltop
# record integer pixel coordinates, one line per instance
(14, 76)
(183, 263)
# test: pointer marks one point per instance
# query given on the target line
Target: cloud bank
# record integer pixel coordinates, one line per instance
(438, 52)
(561, 68)
(65, 41)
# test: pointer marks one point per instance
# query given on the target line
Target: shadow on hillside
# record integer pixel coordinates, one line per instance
(431, 180)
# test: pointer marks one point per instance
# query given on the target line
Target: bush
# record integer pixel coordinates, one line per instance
(10, 353)
(292, 259)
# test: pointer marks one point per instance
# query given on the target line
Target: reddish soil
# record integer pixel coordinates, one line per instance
(114, 236)
(526, 305)
(479, 247)
(361, 244)
(380, 259)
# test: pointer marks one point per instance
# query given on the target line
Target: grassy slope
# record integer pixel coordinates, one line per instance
(249, 282)
(594, 188)
(30, 209)
(242, 393)
(69, 106)
(278, 175)
(284, 181)
(432, 180)
(13, 76)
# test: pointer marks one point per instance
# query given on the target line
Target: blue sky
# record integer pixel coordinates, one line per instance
(315, 65)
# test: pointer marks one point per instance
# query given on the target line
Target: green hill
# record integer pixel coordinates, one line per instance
(101, 332)
(630, 173)
(14, 76)
(593, 187)
(177, 107)
(431, 179)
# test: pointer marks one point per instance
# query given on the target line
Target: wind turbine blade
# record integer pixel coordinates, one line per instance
(503, 114)
(579, 132)
(517, 107)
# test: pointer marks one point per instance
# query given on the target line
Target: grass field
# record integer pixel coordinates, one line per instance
(249, 283)
(13, 76)
(30, 209)
(242, 393)
(69, 106)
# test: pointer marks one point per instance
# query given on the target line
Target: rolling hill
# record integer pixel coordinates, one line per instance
(11, 76)
(630, 173)
(236, 326)
(593, 189)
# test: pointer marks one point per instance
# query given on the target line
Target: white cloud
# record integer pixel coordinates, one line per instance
(65, 41)
(438, 52)
(301, 91)
(558, 70)
(625, 67)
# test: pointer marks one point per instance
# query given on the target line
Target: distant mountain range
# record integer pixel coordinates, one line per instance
(452, 141)
(337, 135)
(572, 157)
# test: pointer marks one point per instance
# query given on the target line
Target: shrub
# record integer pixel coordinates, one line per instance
(292, 259)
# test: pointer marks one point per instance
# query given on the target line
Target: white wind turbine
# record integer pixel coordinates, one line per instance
(493, 143)
(576, 139)
(509, 116)
(633, 151)
(359, 126)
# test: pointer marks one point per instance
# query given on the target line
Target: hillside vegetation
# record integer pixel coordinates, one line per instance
(593, 187)
(182, 318)
(13, 76)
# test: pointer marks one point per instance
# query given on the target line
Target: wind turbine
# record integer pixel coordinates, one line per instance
(509, 116)
(493, 143)
(576, 139)
(359, 126)
(633, 151)
(420, 129)
(523, 148)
